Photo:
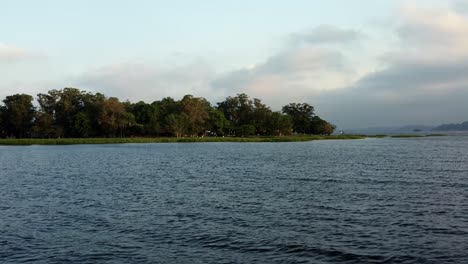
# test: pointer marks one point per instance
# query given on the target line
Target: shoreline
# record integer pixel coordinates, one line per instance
(143, 140)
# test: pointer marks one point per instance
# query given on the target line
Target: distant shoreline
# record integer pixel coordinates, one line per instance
(79, 141)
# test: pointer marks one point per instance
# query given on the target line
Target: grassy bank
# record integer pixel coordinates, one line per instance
(297, 138)
(72, 141)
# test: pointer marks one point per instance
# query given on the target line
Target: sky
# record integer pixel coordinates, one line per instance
(360, 63)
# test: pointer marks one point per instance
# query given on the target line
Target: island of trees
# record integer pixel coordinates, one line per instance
(73, 113)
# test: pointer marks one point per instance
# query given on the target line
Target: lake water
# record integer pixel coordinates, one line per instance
(352, 201)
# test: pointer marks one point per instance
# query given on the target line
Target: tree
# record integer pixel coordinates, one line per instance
(238, 109)
(217, 122)
(245, 130)
(261, 117)
(70, 109)
(113, 118)
(279, 124)
(146, 116)
(18, 115)
(44, 126)
(322, 127)
(71, 112)
(196, 109)
(164, 108)
(2, 125)
(178, 124)
(301, 115)
(83, 125)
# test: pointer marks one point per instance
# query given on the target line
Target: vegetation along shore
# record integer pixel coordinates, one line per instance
(295, 138)
(73, 113)
(73, 116)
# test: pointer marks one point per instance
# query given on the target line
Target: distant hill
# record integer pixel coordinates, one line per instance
(452, 127)
(409, 129)
(391, 130)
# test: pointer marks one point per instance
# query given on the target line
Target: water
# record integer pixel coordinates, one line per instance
(353, 201)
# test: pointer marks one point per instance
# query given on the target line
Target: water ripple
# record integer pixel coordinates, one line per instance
(363, 201)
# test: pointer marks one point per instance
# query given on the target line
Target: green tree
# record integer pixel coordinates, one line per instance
(113, 118)
(279, 125)
(197, 111)
(83, 125)
(45, 127)
(70, 109)
(146, 116)
(261, 117)
(18, 115)
(301, 115)
(178, 124)
(164, 108)
(245, 130)
(217, 122)
(322, 127)
(239, 111)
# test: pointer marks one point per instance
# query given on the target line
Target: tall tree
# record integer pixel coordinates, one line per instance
(45, 127)
(261, 117)
(301, 115)
(217, 122)
(238, 110)
(113, 118)
(166, 107)
(197, 111)
(279, 124)
(74, 113)
(146, 116)
(18, 115)
(178, 124)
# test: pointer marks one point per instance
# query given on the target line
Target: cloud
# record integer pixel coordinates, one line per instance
(20, 86)
(10, 54)
(421, 81)
(309, 63)
(407, 76)
(149, 81)
(326, 34)
(420, 78)
(433, 33)
(433, 54)
(289, 75)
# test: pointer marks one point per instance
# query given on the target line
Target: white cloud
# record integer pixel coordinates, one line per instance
(422, 81)
(433, 33)
(149, 81)
(290, 75)
(11, 54)
(309, 64)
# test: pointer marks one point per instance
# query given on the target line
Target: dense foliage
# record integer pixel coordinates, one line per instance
(72, 113)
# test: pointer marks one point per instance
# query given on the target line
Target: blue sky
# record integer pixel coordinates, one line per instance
(361, 63)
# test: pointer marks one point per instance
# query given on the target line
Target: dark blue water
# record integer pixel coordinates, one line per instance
(355, 201)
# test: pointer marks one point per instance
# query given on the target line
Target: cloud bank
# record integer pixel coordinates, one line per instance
(148, 82)
(420, 78)
(423, 80)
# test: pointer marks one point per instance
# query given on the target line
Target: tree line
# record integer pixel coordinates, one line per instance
(73, 113)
